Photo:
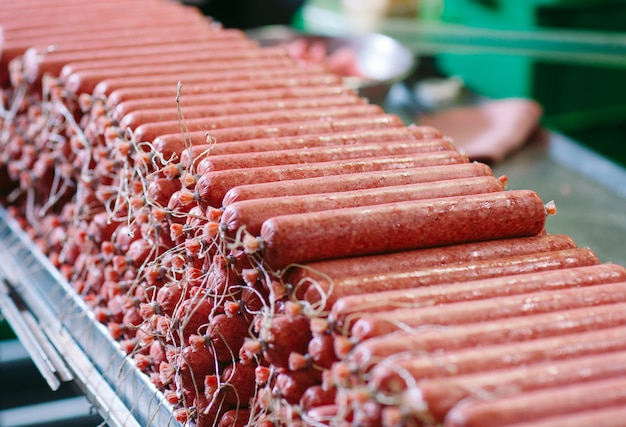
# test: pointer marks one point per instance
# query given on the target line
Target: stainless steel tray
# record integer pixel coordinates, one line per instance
(64, 339)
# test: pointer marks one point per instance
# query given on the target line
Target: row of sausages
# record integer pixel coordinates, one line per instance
(270, 248)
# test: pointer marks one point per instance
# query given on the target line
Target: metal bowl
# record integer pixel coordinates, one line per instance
(381, 60)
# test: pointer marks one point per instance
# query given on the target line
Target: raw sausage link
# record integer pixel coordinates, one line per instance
(150, 131)
(327, 292)
(177, 143)
(169, 90)
(226, 51)
(356, 181)
(582, 383)
(85, 81)
(212, 186)
(539, 404)
(252, 213)
(605, 416)
(140, 117)
(393, 134)
(366, 354)
(396, 373)
(292, 239)
(105, 87)
(371, 325)
(186, 100)
(319, 154)
(349, 308)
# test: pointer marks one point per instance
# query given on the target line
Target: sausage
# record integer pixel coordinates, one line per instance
(23, 27)
(356, 181)
(171, 144)
(392, 134)
(169, 90)
(54, 62)
(23, 40)
(37, 68)
(150, 131)
(224, 51)
(397, 373)
(523, 328)
(212, 187)
(140, 117)
(215, 162)
(316, 396)
(371, 325)
(539, 404)
(107, 86)
(430, 257)
(441, 394)
(605, 416)
(348, 308)
(252, 213)
(325, 293)
(238, 383)
(186, 100)
(236, 418)
(227, 334)
(291, 386)
(299, 238)
(282, 335)
(85, 81)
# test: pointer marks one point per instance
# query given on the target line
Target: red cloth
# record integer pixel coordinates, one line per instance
(489, 131)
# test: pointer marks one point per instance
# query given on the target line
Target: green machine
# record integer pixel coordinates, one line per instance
(584, 97)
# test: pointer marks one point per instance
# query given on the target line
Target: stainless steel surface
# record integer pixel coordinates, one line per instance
(122, 394)
(381, 60)
(589, 192)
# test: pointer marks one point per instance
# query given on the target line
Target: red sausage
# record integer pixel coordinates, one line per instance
(366, 354)
(134, 93)
(326, 293)
(371, 325)
(54, 66)
(105, 87)
(54, 63)
(238, 383)
(430, 257)
(316, 396)
(150, 131)
(236, 418)
(393, 134)
(321, 351)
(227, 334)
(137, 118)
(214, 162)
(187, 100)
(396, 373)
(348, 308)
(356, 181)
(26, 38)
(291, 386)
(85, 81)
(283, 335)
(605, 416)
(539, 404)
(176, 143)
(252, 213)
(299, 238)
(441, 394)
(212, 187)
(229, 50)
